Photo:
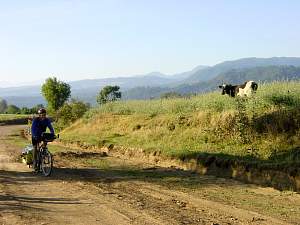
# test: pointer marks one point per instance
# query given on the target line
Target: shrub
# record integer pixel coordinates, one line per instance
(281, 100)
(70, 112)
(12, 109)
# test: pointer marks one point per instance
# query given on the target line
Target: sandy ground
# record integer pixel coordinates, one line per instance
(77, 194)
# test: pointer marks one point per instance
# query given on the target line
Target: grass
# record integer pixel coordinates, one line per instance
(18, 140)
(6, 117)
(98, 163)
(263, 127)
(268, 95)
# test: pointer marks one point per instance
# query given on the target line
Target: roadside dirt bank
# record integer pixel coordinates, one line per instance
(280, 176)
(19, 121)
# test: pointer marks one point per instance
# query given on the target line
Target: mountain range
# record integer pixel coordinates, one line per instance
(198, 80)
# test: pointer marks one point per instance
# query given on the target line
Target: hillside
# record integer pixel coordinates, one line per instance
(254, 139)
(267, 124)
(212, 72)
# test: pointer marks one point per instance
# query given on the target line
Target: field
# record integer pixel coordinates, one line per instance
(6, 117)
(265, 127)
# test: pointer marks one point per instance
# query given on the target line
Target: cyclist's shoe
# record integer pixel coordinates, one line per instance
(35, 168)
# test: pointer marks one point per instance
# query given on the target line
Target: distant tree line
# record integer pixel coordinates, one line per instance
(6, 108)
(63, 110)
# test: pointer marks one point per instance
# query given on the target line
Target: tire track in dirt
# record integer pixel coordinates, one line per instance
(29, 199)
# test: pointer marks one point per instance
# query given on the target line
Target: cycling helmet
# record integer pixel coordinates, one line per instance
(42, 111)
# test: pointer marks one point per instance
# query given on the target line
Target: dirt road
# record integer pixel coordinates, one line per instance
(92, 189)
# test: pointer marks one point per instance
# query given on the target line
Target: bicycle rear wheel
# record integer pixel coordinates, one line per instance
(46, 163)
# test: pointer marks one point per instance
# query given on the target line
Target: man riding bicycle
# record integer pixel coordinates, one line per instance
(38, 127)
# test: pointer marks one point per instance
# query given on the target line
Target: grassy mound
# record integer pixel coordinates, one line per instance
(265, 126)
(8, 117)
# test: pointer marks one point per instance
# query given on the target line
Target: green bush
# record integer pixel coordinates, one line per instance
(70, 112)
(12, 109)
(284, 100)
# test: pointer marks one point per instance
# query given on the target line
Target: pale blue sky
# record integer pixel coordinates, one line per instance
(75, 40)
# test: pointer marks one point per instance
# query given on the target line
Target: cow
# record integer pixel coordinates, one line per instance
(242, 90)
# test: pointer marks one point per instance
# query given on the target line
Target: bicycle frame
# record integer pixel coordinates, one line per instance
(44, 157)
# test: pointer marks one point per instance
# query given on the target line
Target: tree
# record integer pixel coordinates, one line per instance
(171, 94)
(3, 105)
(12, 109)
(56, 93)
(108, 94)
(25, 110)
(35, 108)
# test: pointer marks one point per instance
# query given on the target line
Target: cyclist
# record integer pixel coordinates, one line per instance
(39, 126)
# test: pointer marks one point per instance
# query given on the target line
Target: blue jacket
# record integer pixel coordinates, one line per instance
(39, 126)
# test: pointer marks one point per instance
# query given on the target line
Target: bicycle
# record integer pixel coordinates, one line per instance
(45, 158)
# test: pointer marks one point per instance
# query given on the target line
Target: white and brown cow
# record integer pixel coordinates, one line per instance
(242, 90)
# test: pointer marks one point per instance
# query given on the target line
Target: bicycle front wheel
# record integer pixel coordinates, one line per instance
(47, 163)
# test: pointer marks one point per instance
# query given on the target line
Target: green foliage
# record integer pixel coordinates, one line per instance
(7, 117)
(242, 120)
(70, 112)
(12, 109)
(284, 100)
(3, 105)
(25, 110)
(171, 94)
(108, 94)
(29, 158)
(33, 110)
(56, 93)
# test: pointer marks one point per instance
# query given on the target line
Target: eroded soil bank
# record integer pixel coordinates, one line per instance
(280, 176)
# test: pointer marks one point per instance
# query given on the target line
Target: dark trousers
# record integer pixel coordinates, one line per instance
(35, 144)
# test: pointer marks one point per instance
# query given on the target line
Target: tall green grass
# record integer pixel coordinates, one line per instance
(285, 94)
(5, 117)
(265, 126)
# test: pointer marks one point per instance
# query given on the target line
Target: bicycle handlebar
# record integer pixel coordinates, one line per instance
(49, 137)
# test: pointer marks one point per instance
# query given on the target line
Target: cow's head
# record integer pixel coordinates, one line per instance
(226, 89)
(254, 86)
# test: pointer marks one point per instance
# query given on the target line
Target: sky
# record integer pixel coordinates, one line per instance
(74, 40)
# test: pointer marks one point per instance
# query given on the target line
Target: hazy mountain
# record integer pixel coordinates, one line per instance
(21, 91)
(239, 76)
(144, 92)
(184, 75)
(234, 76)
(200, 79)
(25, 101)
(151, 79)
(212, 72)
(267, 73)
(86, 90)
